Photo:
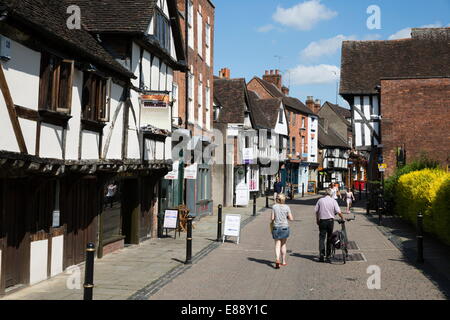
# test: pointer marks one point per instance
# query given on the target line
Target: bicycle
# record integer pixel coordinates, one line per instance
(339, 240)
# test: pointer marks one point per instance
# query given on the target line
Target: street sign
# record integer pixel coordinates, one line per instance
(247, 155)
(232, 226)
(190, 172)
(173, 175)
(382, 167)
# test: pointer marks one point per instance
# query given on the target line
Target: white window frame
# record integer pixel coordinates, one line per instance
(208, 106)
(200, 102)
(191, 109)
(199, 34)
(190, 21)
(208, 43)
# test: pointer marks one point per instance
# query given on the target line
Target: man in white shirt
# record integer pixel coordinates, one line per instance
(326, 209)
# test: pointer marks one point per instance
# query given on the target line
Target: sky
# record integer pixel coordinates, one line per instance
(302, 38)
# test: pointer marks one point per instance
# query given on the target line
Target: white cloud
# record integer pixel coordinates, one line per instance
(406, 33)
(303, 16)
(324, 47)
(266, 28)
(318, 74)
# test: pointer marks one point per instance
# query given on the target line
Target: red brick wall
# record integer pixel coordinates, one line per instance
(416, 114)
(198, 63)
(255, 86)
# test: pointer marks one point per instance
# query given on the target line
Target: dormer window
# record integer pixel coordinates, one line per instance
(280, 116)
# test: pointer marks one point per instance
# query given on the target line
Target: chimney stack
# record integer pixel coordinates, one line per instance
(317, 106)
(310, 103)
(274, 78)
(224, 73)
(285, 90)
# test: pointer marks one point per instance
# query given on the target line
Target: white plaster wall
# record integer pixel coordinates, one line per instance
(135, 60)
(149, 150)
(168, 147)
(281, 128)
(155, 74)
(73, 126)
(8, 140)
(159, 150)
(115, 145)
(133, 145)
(163, 78)
(90, 145)
(57, 255)
(146, 68)
(51, 141)
(38, 261)
(158, 117)
(22, 74)
(29, 134)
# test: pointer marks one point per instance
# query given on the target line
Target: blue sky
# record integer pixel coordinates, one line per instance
(303, 38)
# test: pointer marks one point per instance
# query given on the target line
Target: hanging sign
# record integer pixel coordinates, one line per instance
(247, 155)
(155, 100)
(170, 219)
(173, 175)
(190, 172)
(382, 167)
(232, 226)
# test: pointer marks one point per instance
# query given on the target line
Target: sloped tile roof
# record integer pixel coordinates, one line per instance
(343, 113)
(265, 112)
(365, 63)
(48, 18)
(296, 104)
(231, 94)
(270, 87)
(330, 139)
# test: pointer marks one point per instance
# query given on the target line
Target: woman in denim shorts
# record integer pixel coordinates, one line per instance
(281, 214)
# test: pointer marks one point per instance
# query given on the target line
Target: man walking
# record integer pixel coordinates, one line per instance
(278, 188)
(326, 209)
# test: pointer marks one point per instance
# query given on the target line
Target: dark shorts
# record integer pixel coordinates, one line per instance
(279, 233)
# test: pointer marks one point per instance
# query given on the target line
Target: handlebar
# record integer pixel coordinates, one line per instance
(340, 221)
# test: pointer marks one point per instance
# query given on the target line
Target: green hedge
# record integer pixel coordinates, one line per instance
(426, 191)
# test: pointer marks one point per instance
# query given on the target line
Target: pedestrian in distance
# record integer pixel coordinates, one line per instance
(278, 189)
(326, 209)
(349, 199)
(281, 215)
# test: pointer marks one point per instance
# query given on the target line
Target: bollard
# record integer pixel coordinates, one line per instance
(189, 241)
(254, 204)
(219, 224)
(303, 190)
(359, 187)
(367, 206)
(380, 208)
(267, 201)
(420, 238)
(89, 272)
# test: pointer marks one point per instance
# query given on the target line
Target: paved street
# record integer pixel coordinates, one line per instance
(246, 271)
(155, 269)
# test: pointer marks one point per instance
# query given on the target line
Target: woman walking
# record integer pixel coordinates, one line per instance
(281, 214)
(350, 198)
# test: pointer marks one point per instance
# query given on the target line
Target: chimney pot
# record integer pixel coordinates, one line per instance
(267, 72)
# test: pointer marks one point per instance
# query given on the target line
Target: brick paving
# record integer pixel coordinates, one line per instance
(155, 268)
(246, 271)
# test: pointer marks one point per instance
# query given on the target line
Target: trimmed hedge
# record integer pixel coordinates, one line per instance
(426, 191)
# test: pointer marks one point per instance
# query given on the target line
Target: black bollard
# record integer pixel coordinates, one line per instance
(219, 224)
(367, 206)
(189, 241)
(380, 208)
(420, 258)
(303, 190)
(267, 201)
(254, 204)
(359, 187)
(89, 272)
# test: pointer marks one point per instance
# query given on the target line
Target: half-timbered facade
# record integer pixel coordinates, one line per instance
(75, 142)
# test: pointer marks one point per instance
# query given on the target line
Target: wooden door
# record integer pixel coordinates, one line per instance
(13, 209)
(80, 209)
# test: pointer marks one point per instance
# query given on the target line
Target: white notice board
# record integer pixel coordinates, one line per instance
(232, 226)
(170, 219)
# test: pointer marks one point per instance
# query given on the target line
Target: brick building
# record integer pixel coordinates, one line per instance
(193, 110)
(399, 95)
(416, 118)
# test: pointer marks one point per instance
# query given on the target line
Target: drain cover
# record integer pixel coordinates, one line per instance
(351, 245)
(351, 257)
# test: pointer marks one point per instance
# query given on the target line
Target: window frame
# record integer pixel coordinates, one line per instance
(99, 89)
(52, 82)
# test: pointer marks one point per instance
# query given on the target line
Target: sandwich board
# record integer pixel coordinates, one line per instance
(232, 227)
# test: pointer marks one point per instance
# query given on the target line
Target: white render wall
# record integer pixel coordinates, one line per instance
(313, 128)
(38, 261)
(74, 125)
(115, 119)
(51, 141)
(57, 255)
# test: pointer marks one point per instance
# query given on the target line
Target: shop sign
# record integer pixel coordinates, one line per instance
(190, 172)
